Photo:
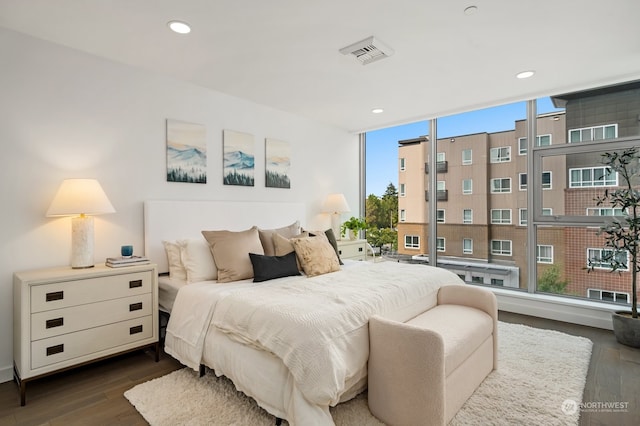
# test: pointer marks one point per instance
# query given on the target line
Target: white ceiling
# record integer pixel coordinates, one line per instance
(285, 53)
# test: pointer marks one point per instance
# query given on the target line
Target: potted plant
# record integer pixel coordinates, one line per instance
(354, 225)
(622, 234)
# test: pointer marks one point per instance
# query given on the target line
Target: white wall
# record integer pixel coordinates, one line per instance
(66, 114)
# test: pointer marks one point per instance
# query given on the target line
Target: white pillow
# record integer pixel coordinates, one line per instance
(174, 258)
(197, 260)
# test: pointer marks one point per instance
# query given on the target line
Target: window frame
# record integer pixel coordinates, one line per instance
(500, 158)
(466, 250)
(502, 251)
(412, 245)
(466, 191)
(464, 219)
(546, 259)
(501, 220)
(466, 162)
(492, 186)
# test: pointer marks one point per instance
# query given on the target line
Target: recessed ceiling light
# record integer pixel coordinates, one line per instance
(179, 27)
(377, 110)
(525, 74)
(470, 10)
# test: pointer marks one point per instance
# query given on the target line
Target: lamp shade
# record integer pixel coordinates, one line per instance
(335, 203)
(80, 196)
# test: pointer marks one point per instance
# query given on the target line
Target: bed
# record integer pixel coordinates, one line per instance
(296, 344)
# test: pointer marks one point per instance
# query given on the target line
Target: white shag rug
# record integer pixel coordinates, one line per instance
(538, 371)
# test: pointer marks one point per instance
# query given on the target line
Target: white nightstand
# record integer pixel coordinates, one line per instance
(65, 317)
(352, 249)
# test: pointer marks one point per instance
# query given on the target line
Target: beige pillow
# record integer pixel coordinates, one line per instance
(266, 236)
(316, 255)
(174, 259)
(231, 250)
(197, 260)
(284, 246)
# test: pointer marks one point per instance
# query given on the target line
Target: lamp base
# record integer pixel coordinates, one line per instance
(82, 242)
(335, 225)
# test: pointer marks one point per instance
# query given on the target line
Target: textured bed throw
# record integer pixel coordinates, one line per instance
(538, 371)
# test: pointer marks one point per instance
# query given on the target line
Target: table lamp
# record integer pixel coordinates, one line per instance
(335, 204)
(83, 197)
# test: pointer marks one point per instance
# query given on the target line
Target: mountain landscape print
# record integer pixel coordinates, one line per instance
(278, 162)
(186, 152)
(238, 158)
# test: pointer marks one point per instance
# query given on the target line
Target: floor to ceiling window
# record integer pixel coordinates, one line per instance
(504, 204)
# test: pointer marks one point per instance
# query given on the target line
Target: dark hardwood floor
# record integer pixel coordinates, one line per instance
(93, 394)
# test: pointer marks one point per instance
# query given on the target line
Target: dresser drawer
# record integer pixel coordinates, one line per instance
(64, 294)
(87, 342)
(75, 318)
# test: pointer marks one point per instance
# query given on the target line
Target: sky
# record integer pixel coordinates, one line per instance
(382, 145)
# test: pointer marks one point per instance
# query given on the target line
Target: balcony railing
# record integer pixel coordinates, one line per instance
(441, 195)
(441, 167)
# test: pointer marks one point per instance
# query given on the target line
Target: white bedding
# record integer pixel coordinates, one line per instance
(317, 327)
(168, 291)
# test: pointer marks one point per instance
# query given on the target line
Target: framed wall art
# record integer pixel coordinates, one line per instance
(238, 158)
(186, 152)
(277, 163)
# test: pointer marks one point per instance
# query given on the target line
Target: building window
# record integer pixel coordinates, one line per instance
(467, 157)
(403, 215)
(402, 192)
(441, 185)
(412, 241)
(522, 179)
(501, 216)
(440, 216)
(603, 258)
(608, 296)
(501, 247)
(467, 216)
(546, 181)
(467, 245)
(500, 155)
(592, 176)
(467, 186)
(440, 157)
(595, 133)
(402, 168)
(498, 282)
(541, 140)
(440, 244)
(544, 254)
(604, 211)
(522, 221)
(500, 185)
(477, 280)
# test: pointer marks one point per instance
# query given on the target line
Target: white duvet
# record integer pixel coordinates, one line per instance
(317, 326)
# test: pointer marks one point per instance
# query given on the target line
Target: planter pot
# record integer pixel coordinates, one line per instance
(626, 328)
(352, 234)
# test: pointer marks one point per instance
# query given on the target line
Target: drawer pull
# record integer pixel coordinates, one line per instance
(136, 329)
(359, 248)
(135, 283)
(56, 295)
(56, 322)
(135, 306)
(339, 251)
(52, 350)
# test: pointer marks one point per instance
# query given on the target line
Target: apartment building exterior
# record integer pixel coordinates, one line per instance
(481, 196)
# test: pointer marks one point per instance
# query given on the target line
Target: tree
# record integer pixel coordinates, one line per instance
(390, 205)
(551, 282)
(373, 209)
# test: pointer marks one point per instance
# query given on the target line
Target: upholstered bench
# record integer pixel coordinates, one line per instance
(422, 371)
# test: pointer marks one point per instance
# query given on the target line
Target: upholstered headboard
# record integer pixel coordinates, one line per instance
(176, 219)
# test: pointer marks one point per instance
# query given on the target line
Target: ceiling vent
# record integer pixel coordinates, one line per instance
(368, 50)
